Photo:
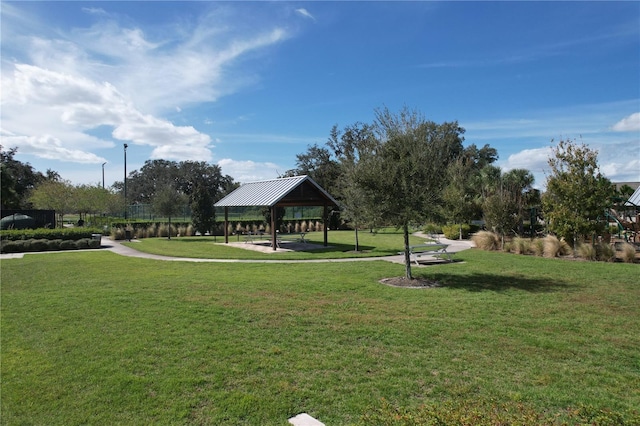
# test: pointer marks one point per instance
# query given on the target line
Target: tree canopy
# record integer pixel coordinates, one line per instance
(17, 180)
(577, 193)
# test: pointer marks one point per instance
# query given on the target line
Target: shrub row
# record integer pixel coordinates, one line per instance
(153, 230)
(36, 245)
(451, 231)
(64, 234)
(184, 229)
(550, 246)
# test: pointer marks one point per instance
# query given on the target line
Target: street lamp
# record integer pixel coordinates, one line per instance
(103, 174)
(126, 207)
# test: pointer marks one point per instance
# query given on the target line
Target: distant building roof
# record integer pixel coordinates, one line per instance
(292, 191)
(634, 200)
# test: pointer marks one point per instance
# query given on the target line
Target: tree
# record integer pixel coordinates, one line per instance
(519, 183)
(203, 214)
(577, 193)
(168, 202)
(319, 165)
(499, 211)
(355, 142)
(404, 176)
(93, 199)
(54, 195)
(202, 183)
(154, 176)
(17, 180)
(458, 196)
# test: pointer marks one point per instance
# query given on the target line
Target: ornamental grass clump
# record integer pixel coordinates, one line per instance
(587, 252)
(537, 246)
(486, 240)
(628, 253)
(605, 252)
(521, 245)
(553, 247)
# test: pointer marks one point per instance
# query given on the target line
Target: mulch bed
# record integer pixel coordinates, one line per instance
(413, 283)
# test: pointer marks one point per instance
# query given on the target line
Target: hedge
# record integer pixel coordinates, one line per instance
(72, 234)
(26, 246)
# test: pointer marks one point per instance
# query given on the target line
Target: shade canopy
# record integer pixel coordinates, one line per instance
(283, 192)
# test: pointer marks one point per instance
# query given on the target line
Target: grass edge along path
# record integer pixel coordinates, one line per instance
(96, 338)
(340, 246)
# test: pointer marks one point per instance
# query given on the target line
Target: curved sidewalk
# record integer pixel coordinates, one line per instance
(118, 248)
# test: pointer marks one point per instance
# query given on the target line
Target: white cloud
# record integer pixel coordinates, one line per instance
(305, 13)
(630, 123)
(59, 91)
(249, 171)
(72, 104)
(94, 11)
(531, 159)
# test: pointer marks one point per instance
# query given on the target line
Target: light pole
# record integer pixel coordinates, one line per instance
(126, 207)
(103, 174)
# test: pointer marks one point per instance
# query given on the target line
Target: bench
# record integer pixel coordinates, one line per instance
(429, 249)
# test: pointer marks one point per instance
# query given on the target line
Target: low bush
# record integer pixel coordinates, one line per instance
(68, 245)
(53, 245)
(486, 240)
(49, 234)
(38, 245)
(432, 228)
(508, 247)
(452, 232)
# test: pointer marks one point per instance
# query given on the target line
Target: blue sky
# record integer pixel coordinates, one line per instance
(248, 85)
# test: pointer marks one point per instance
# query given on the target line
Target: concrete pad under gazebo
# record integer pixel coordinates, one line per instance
(283, 192)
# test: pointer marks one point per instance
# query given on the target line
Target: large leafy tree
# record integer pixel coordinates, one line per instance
(17, 180)
(519, 183)
(349, 146)
(203, 184)
(405, 175)
(319, 164)
(55, 195)
(577, 193)
(458, 196)
(153, 176)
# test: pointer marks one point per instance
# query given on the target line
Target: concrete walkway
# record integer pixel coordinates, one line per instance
(118, 248)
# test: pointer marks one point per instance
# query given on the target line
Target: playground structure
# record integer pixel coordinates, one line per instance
(626, 217)
(628, 227)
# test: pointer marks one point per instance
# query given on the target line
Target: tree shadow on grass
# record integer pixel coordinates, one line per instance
(498, 283)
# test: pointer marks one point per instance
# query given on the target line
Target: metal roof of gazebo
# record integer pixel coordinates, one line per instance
(283, 192)
(291, 191)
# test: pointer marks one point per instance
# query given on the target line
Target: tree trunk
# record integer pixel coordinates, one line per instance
(169, 234)
(407, 255)
(357, 242)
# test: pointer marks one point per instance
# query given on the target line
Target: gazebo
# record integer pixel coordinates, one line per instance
(284, 192)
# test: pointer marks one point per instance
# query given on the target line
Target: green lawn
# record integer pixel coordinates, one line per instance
(97, 338)
(341, 244)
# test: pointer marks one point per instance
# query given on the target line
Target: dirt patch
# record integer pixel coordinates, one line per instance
(413, 283)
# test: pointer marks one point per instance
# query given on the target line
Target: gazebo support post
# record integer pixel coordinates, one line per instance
(326, 224)
(226, 225)
(274, 240)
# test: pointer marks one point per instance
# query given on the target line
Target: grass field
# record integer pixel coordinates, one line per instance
(96, 338)
(341, 244)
